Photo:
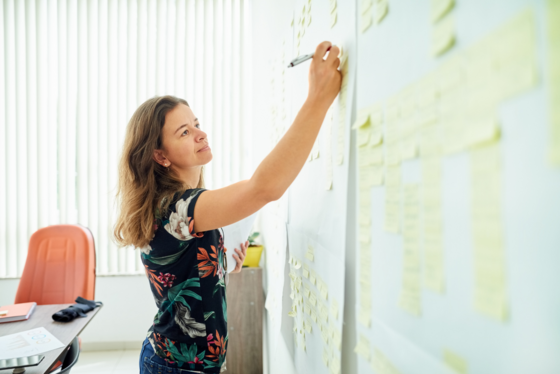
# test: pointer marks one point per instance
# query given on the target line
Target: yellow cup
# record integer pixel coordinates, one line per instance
(253, 256)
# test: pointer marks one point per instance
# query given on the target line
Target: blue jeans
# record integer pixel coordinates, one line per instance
(150, 363)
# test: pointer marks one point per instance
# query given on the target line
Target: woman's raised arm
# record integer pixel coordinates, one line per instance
(224, 206)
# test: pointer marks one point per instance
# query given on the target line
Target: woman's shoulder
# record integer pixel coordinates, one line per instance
(179, 220)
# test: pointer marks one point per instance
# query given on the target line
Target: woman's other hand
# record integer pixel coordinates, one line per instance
(239, 257)
(324, 77)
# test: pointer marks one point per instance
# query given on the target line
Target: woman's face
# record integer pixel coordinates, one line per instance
(185, 145)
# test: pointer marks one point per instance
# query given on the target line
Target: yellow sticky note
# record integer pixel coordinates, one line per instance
(366, 20)
(307, 326)
(381, 364)
(363, 348)
(443, 36)
(312, 298)
(326, 356)
(381, 10)
(313, 315)
(455, 362)
(439, 8)
(483, 129)
(332, 8)
(334, 365)
(334, 308)
(365, 6)
(364, 318)
(310, 254)
(312, 277)
(333, 18)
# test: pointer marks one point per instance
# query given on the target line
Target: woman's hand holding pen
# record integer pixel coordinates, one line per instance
(239, 257)
(324, 77)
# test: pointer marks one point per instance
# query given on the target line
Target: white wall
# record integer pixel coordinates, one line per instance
(127, 313)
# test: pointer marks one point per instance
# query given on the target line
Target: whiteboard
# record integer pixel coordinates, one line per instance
(447, 323)
(391, 56)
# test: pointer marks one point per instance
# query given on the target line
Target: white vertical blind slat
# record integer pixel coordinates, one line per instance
(62, 107)
(190, 52)
(132, 257)
(31, 108)
(82, 119)
(52, 100)
(227, 69)
(122, 116)
(236, 90)
(104, 166)
(141, 57)
(179, 67)
(43, 125)
(170, 50)
(3, 155)
(208, 62)
(69, 163)
(11, 157)
(217, 95)
(21, 139)
(93, 117)
(73, 74)
(112, 121)
(161, 50)
(246, 70)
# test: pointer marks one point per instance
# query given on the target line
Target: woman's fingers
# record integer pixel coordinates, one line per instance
(333, 55)
(321, 50)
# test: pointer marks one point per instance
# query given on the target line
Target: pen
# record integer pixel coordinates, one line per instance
(298, 60)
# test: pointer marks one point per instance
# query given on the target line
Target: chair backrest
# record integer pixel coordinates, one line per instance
(60, 266)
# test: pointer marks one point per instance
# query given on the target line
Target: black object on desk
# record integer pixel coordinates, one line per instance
(79, 309)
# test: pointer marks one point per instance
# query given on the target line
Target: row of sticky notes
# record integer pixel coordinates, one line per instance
(410, 297)
(443, 31)
(372, 11)
(553, 26)
(432, 235)
(460, 98)
(328, 149)
(490, 296)
(342, 108)
(380, 364)
(302, 24)
(313, 309)
(334, 12)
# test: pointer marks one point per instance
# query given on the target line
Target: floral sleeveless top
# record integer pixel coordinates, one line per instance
(187, 277)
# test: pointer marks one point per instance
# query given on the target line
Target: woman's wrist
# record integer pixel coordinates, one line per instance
(316, 104)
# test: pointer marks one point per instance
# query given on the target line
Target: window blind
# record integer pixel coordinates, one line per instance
(72, 74)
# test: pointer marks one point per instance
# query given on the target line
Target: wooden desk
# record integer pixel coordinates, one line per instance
(64, 331)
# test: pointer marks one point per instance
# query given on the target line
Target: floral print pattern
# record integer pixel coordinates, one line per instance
(186, 272)
(167, 279)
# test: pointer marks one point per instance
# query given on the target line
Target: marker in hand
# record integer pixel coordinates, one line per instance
(298, 60)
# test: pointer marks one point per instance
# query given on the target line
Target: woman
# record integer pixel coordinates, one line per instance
(166, 212)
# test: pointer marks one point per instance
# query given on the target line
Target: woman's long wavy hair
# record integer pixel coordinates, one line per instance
(145, 187)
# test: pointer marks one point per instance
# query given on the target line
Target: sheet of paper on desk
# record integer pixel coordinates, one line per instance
(28, 343)
(234, 235)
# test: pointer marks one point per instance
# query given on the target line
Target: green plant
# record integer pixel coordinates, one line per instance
(252, 238)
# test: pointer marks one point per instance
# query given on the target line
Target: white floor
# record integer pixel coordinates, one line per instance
(108, 362)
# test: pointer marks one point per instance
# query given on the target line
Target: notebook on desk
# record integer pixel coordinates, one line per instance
(16, 312)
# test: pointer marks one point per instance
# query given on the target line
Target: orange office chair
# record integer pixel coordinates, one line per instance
(60, 266)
